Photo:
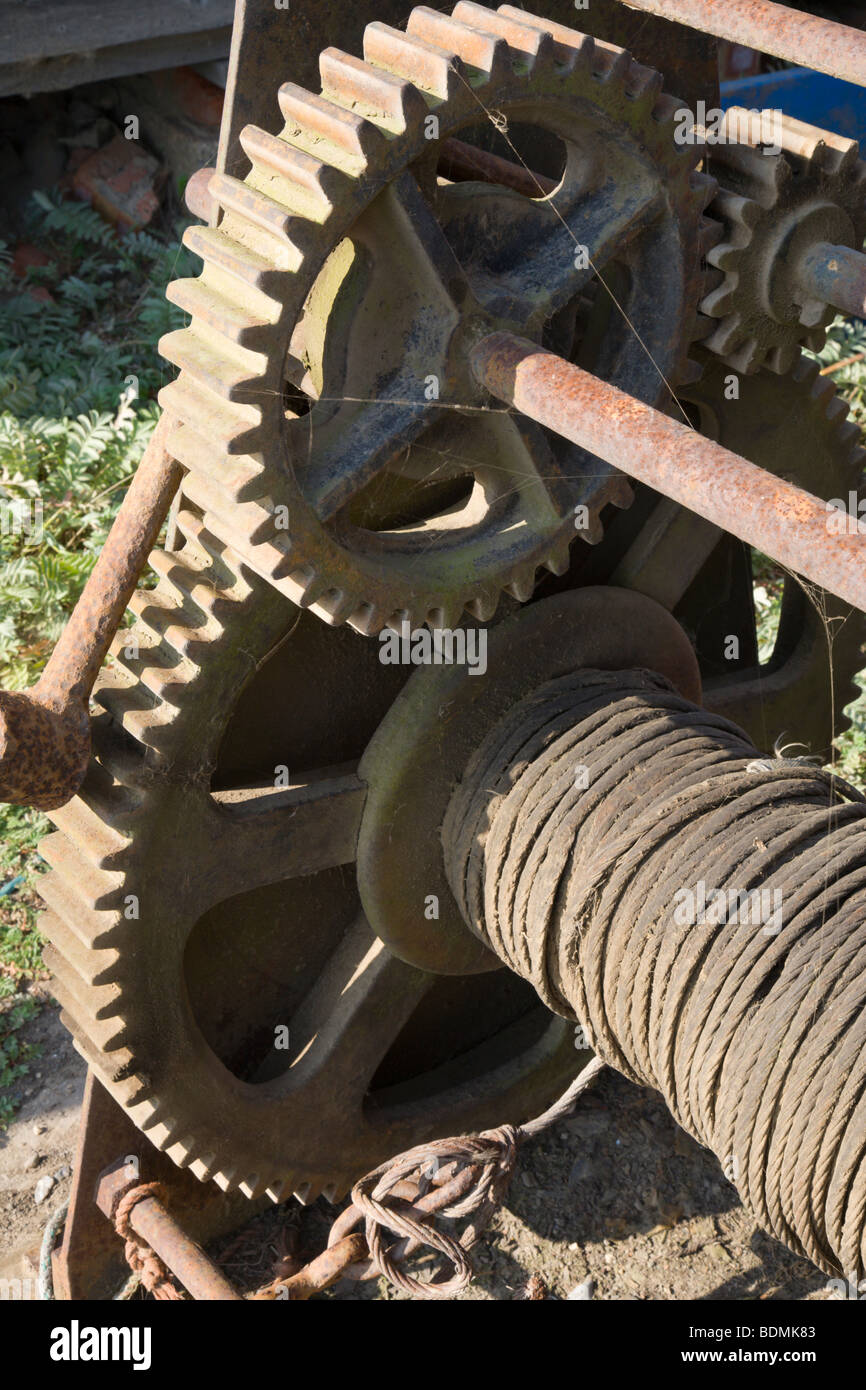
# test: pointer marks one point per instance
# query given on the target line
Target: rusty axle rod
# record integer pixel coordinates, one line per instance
(186, 1260)
(45, 731)
(804, 39)
(836, 275)
(783, 521)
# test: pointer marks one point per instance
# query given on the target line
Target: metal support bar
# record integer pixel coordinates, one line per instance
(149, 1218)
(804, 39)
(783, 521)
(186, 1260)
(836, 275)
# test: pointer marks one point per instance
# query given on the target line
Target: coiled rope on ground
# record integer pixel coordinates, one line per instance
(579, 830)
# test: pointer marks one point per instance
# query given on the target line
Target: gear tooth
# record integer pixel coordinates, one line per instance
(335, 606)
(326, 129)
(248, 268)
(810, 143)
(225, 1179)
(409, 57)
(478, 48)
(234, 320)
(247, 528)
(664, 112)
(610, 63)
(298, 181)
(483, 605)
(242, 476)
(98, 1004)
(526, 34)
(161, 1133)
(94, 967)
(231, 373)
(86, 898)
(366, 619)
(233, 428)
(523, 584)
(692, 371)
(106, 1068)
(559, 559)
(99, 842)
(253, 1186)
(306, 1193)
(620, 491)
(781, 358)
(181, 1151)
(747, 358)
(643, 87)
(444, 615)
(204, 1167)
(387, 101)
(263, 223)
(315, 586)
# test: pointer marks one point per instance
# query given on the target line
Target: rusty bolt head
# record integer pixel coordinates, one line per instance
(114, 1182)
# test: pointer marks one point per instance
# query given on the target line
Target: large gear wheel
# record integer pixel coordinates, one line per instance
(325, 410)
(774, 208)
(196, 908)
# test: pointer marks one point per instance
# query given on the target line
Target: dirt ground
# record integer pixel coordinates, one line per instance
(616, 1203)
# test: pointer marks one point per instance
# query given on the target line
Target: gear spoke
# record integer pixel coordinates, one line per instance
(350, 1019)
(271, 834)
(354, 446)
(550, 248)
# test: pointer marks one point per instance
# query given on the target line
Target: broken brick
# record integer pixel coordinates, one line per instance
(120, 181)
(26, 256)
(184, 92)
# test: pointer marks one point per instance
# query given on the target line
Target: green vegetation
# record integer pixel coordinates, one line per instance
(79, 373)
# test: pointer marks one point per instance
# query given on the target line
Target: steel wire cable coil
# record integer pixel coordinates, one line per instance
(579, 825)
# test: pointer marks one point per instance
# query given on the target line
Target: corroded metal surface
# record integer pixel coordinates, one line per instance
(783, 521)
(44, 732)
(796, 426)
(804, 39)
(836, 275)
(120, 1184)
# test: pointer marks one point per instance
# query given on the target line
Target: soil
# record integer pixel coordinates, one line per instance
(39, 1142)
(617, 1202)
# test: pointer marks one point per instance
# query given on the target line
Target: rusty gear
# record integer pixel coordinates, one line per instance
(328, 419)
(176, 838)
(774, 208)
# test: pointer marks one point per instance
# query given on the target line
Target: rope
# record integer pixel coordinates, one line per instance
(142, 1260)
(45, 1280)
(701, 912)
(472, 1173)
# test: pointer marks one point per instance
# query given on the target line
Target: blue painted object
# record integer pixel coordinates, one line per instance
(809, 96)
(11, 886)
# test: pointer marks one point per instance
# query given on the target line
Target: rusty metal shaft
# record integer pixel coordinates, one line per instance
(836, 275)
(804, 39)
(186, 1260)
(783, 521)
(45, 731)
